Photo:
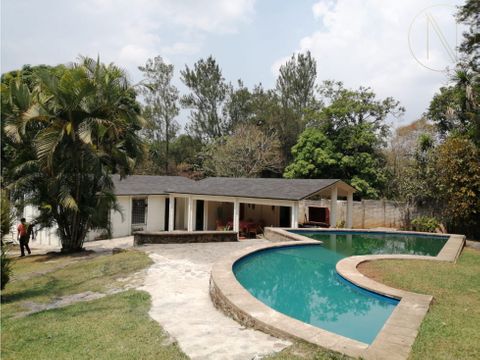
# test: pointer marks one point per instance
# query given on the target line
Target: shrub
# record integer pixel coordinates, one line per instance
(425, 224)
(7, 219)
(5, 267)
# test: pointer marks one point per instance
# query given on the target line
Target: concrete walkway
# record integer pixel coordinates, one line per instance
(179, 285)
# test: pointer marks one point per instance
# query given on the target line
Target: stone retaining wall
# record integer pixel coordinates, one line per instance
(182, 237)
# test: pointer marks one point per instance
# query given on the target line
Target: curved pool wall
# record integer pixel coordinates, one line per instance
(302, 281)
(396, 337)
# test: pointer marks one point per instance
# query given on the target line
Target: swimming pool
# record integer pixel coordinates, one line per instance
(301, 281)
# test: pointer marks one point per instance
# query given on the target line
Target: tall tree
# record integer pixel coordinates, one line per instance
(84, 122)
(295, 92)
(208, 91)
(296, 83)
(239, 105)
(457, 170)
(345, 139)
(469, 15)
(161, 105)
(248, 152)
(350, 107)
(455, 109)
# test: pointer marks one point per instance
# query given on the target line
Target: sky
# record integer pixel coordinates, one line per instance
(398, 48)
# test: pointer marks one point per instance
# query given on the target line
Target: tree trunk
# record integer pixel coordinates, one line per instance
(72, 233)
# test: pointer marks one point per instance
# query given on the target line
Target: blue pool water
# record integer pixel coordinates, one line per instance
(301, 281)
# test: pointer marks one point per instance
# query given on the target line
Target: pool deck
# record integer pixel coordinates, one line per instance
(395, 339)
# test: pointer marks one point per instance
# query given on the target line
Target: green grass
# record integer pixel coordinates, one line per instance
(114, 327)
(302, 350)
(451, 329)
(98, 275)
(35, 264)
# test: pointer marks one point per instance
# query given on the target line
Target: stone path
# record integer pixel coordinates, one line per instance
(178, 282)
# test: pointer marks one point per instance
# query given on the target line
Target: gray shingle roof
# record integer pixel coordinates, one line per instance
(148, 185)
(279, 189)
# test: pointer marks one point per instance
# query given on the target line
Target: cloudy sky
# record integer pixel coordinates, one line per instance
(396, 47)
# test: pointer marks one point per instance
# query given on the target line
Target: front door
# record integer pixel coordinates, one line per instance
(167, 213)
(199, 216)
(285, 219)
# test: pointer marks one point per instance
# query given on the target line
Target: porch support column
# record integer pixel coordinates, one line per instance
(333, 207)
(294, 214)
(194, 218)
(190, 211)
(205, 215)
(171, 213)
(236, 215)
(349, 210)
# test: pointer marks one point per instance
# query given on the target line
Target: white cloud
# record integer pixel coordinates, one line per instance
(181, 48)
(134, 55)
(365, 42)
(119, 30)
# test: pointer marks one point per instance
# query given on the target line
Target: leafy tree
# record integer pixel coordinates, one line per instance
(239, 107)
(457, 166)
(187, 155)
(345, 139)
(83, 120)
(316, 155)
(6, 218)
(455, 108)
(469, 14)
(248, 152)
(401, 153)
(161, 98)
(348, 107)
(208, 91)
(296, 83)
(295, 94)
(13, 153)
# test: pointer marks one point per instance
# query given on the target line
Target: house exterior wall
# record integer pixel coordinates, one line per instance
(156, 213)
(122, 227)
(264, 213)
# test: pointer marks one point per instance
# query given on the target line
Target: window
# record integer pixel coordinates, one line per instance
(139, 207)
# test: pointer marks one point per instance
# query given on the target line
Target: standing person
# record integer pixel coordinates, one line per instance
(23, 236)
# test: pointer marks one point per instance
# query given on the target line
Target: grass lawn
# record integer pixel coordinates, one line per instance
(451, 329)
(35, 264)
(99, 274)
(118, 326)
(302, 350)
(114, 327)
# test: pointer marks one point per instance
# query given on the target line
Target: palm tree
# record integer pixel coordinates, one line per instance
(79, 123)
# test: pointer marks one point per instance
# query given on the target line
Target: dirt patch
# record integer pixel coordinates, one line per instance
(369, 271)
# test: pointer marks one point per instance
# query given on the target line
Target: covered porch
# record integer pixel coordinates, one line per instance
(219, 213)
(248, 215)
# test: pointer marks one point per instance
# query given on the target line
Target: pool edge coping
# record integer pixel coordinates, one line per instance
(394, 340)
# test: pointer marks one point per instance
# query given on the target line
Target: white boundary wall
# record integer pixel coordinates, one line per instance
(366, 213)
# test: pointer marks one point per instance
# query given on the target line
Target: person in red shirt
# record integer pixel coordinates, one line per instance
(23, 236)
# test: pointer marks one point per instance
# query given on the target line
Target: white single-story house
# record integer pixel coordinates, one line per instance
(169, 203)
